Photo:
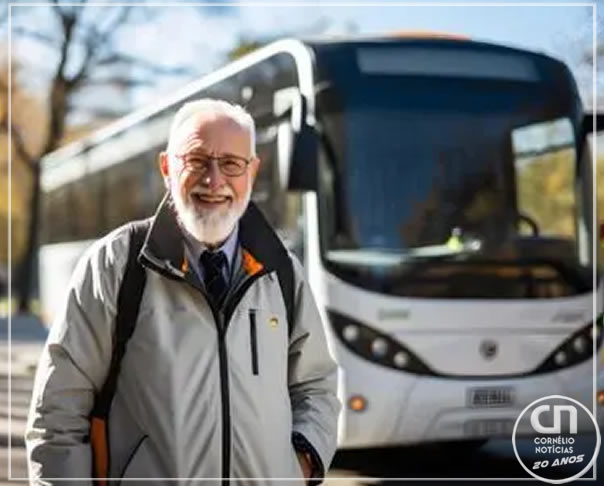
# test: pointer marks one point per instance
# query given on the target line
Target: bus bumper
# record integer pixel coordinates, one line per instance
(402, 408)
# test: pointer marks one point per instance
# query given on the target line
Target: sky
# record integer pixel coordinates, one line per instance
(561, 29)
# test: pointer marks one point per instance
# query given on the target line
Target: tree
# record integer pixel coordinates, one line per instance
(244, 46)
(30, 111)
(323, 26)
(83, 40)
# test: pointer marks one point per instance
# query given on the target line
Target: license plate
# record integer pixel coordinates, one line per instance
(490, 397)
(488, 428)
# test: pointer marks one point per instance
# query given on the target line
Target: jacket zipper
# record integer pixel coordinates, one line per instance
(221, 325)
(253, 341)
(223, 365)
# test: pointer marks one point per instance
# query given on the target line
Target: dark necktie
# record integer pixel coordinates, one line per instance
(213, 278)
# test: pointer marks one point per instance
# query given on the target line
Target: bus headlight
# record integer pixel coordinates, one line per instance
(375, 346)
(379, 347)
(350, 333)
(576, 349)
(580, 344)
(401, 359)
(560, 358)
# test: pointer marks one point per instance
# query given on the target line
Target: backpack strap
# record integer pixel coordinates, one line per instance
(128, 305)
(285, 275)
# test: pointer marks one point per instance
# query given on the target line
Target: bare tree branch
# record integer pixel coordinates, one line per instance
(103, 113)
(117, 80)
(16, 135)
(35, 35)
(151, 67)
(108, 59)
(18, 142)
(95, 40)
(20, 147)
(117, 22)
(115, 59)
(588, 58)
(59, 86)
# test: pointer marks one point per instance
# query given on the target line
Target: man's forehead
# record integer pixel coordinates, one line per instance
(209, 125)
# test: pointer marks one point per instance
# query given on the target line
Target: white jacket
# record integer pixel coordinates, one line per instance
(201, 394)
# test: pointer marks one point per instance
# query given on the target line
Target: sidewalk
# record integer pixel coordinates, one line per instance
(27, 339)
(24, 328)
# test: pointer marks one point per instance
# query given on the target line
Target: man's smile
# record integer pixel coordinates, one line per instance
(209, 201)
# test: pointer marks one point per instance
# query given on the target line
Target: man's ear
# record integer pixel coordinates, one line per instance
(254, 167)
(164, 167)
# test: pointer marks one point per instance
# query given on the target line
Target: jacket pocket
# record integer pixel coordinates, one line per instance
(254, 341)
(137, 464)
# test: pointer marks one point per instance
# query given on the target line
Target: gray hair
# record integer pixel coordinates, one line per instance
(208, 105)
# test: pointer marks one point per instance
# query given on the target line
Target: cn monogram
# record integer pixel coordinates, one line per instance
(557, 427)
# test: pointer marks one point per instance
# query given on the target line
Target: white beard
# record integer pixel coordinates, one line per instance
(209, 227)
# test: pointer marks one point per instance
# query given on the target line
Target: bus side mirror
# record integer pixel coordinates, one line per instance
(298, 144)
(588, 123)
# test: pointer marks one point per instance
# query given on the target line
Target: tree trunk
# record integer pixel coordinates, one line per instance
(26, 268)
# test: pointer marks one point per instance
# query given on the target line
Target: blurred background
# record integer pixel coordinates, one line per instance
(75, 69)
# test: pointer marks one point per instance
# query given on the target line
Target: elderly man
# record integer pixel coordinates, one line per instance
(215, 381)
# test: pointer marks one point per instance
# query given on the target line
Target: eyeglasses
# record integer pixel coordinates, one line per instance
(229, 165)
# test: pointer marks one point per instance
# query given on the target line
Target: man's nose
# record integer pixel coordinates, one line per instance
(212, 177)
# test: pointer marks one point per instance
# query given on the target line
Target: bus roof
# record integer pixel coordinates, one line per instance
(151, 110)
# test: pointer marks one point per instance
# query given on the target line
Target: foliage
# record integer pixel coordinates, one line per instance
(27, 111)
(243, 47)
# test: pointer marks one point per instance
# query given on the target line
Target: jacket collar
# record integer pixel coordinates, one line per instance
(262, 249)
(260, 242)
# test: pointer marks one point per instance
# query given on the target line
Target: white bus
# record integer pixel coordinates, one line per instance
(439, 193)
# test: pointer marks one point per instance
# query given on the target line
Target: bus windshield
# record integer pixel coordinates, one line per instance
(448, 188)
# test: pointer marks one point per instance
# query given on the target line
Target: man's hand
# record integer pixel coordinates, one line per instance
(305, 463)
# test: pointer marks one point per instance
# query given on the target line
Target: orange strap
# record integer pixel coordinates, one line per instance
(98, 440)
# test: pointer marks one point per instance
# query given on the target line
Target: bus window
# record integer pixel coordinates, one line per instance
(258, 88)
(282, 209)
(599, 194)
(136, 189)
(56, 219)
(544, 158)
(87, 197)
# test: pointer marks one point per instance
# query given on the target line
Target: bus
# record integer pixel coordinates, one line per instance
(439, 193)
